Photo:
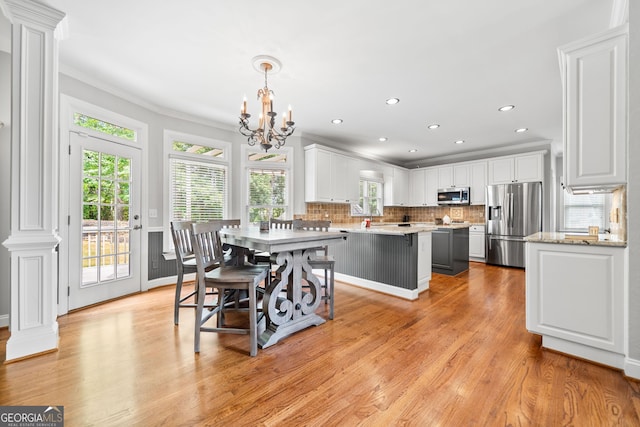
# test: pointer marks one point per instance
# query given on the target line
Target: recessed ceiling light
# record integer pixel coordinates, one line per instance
(434, 126)
(460, 141)
(413, 150)
(392, 101)
(336, 121)
(521, 130)
(506, 107)
(382, 139)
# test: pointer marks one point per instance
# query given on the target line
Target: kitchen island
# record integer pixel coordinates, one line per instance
(392, 259)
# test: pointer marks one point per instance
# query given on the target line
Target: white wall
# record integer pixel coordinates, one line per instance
(157, 124)
(5, 184)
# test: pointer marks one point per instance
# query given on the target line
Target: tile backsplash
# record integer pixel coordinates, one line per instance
(341, 213)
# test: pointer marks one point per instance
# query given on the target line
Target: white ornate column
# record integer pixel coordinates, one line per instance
(33, 238)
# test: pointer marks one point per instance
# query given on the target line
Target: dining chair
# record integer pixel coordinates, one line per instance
(321, 260)
(274, 224)
(185, 263)
(225, 279)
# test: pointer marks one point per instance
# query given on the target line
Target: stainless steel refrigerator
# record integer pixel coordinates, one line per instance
(513, 211)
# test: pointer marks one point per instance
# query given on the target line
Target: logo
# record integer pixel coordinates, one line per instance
(31, 416)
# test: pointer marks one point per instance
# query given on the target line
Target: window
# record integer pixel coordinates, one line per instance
(584, 210)
(104, 127)
(268, 184)
(198, 190)
(198, 175)
(371, 200)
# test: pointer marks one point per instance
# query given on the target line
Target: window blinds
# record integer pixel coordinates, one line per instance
(198, 190)
(583, 210)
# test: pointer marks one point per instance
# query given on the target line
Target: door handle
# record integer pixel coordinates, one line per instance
(137, 227)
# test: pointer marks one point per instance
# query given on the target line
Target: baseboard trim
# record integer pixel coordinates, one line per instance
(4, 320)
(410, 294)
(632, 368)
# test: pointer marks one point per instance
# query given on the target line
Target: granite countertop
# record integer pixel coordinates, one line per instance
(557, 237)
(394, 228)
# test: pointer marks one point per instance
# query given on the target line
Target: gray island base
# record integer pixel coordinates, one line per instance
(393, 262)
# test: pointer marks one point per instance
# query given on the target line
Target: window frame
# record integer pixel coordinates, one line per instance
(247, 165)
(562, 208)
(168, 153)
(367, 177)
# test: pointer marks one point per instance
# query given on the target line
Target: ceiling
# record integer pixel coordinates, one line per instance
(449, 62)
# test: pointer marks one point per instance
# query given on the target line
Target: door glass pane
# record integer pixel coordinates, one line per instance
(124, 169)
(107, 268)
(105, 217)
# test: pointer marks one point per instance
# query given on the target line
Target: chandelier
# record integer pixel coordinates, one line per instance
(267, 134)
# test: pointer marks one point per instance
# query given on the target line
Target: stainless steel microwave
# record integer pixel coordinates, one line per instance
(453, 196)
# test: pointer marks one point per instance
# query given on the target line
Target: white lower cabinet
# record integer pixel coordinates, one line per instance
(575, 299)
(476, 243)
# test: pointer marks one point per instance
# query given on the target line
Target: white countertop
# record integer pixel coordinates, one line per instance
(556, 237)
(393, 228)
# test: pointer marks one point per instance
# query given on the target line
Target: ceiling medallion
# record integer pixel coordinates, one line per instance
(266, 134)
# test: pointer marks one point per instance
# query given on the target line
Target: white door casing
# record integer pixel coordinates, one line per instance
(104, 221)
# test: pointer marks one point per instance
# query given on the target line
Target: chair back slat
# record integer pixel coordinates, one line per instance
(228, 223)
(207, 246)
(181, 234)
(284, 224)
(312, 225)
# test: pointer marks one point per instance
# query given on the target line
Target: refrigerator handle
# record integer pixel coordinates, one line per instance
(510, 210)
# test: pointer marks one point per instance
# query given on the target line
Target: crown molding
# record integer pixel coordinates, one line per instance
(140, 102)
(503, 150)
(619, 13)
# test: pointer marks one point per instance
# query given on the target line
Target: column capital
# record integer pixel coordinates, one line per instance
(31, 11)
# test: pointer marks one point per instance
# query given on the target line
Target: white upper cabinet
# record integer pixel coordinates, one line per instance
(445, 177)
(424, 184)
(330, 177)
(594, 75)
(431, 186)
(520, 168)
(478, 173)
(453, 176)
(396, 186)
(418, 187)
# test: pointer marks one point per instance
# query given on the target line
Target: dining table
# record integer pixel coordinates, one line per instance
(293, 295)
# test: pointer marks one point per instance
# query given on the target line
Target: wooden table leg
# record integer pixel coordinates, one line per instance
(296, 311)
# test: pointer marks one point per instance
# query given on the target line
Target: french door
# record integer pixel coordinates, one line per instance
(104, 224)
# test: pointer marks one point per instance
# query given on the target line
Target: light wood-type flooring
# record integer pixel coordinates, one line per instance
(458, 356)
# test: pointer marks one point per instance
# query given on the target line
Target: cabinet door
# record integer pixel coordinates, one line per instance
(501, 171)
(318, 178)
(528, 168)
(345, 176)
(461, 176)
(431, 187)
(558, 276)
(445, 177)
(596, 112)
(417, 186)
(441, 249)
(476, 245)
(478, 172)
(401, 186)
(396, 187)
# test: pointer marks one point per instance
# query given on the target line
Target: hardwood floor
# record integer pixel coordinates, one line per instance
(460, 355)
